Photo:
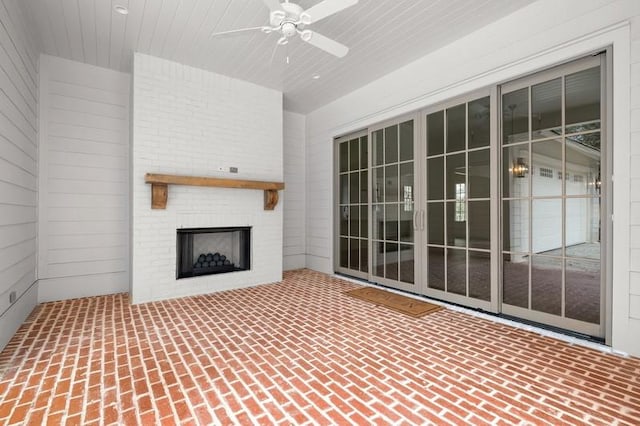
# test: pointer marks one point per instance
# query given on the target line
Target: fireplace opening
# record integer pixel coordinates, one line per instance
(207, 251)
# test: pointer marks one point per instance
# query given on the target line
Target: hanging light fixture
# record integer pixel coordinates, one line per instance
(520, 168)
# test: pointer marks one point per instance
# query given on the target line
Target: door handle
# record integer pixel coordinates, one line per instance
(422, 219)
(415, 220)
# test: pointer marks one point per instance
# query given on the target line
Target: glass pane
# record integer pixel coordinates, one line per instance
(582, 227)
(378, 221)
(582, 290)
(344, 189)
(515, 225)
(479, 123)
(546, 167)
(391, 184)
(456, 128)
(364, 260)
(406, 224)
(354, 228)
(456, 173)
(479, 224)
(354, 154)
(435, 179)
(364, 187)
(406, 263)
(378, 184)
(344, 252)
(457, 271)
(435, 133)
(406, 186)
(364, 221)
(435, 223)
(582, 164)
(378, 258)
(391, 144)
(364, 152)
(546, 226)
(546, 109)
(354, 254)
(456, 229)
(406, 140)
(436, 268)
(391, 260)
(378, 148)
(391, 222)
(546, 284)
(515, 280)
(354, 187)
(582, 100)
(344, 156)
(480, 275)
(479, 174)
(515, 171)
(344, 220)
(515, 116)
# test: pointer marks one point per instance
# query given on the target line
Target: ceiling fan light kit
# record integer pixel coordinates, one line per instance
(289, 19)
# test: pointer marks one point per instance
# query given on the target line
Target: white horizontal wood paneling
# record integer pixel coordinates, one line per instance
(294, 193)
(84, 180)
(18, 169)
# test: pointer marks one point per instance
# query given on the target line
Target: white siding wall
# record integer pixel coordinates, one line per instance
(191, 122)
(84, 180)
(294, 193)
(507, 49)
(18, 168)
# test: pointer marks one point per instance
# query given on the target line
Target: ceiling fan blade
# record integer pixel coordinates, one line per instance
(237, 31)
(325, 43)
(326, 8)
(272, 4)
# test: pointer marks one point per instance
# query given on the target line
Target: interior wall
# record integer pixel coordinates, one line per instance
(507, 49)
(18, 169)
(294, 192)
(83, 247)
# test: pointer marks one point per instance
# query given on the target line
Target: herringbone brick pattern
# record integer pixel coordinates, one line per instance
(299, 352)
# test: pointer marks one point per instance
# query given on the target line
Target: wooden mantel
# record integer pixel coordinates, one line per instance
(160, 187)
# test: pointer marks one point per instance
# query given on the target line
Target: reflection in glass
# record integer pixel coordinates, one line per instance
(378, 184)
(456, 230)
(515, 225)
(391, 261)
(582, 227)
(354, 187)
(364, 152)
(378, 221)
(354, 227)
(457, 271)
(391, 184)
(546, 284)
(515, 185)
(456, 128)
(456, 174)
(344, 189)
(515, 116)
(479, 174)
(479, 224)
(391, 144)
(406, 224)
(480, 275)
(436, 268)
(364, 187)
(406, 140)
(406, 186)
(515, 280)
(378, 148)
(546, 226)
(378, 258)
(364, 221)
(546, 167)
(354, 246)
(546, 109)
(582, 100)
(406, 263)
(344, 220)
(435, 133)
(435, 223)
(391, 222)
(582, 164)
(435, 179)
(344, 156)
(364, 253)
(344, 252)
(582, 290)
(354, 154)
(479, 123)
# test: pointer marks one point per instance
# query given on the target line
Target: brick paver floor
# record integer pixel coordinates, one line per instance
(296, 352)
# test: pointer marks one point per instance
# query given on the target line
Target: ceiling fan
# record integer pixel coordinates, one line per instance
(289, 19)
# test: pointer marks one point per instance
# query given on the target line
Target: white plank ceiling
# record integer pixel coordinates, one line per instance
(382, 35)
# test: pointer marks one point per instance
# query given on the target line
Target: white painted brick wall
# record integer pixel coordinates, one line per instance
(190, 122)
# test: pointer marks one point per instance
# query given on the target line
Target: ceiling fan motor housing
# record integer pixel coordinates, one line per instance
(287, 19)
